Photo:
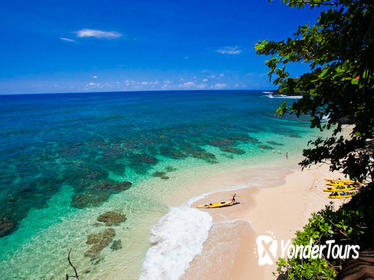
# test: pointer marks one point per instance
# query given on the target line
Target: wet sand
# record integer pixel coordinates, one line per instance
(279, 201)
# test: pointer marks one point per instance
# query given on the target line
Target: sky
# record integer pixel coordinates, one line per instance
(89, 46)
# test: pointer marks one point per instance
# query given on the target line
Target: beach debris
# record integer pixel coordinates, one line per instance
(76, 275)
(116, 245)
(98, 242)
(112, 218)
(6, 226)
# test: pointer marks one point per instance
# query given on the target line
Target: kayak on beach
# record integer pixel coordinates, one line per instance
(342, 184)
(346, 194)
(340, 188)
(339, 180)
(216, 204)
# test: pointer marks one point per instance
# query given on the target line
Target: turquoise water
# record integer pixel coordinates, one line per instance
(63, 156)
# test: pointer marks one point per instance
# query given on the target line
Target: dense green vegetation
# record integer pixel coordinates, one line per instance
(340, 85)
(289, 87)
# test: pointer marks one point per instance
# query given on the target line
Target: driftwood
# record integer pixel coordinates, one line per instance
(74, 268)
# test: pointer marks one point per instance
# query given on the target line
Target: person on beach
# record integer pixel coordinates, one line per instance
(233, 198)
(287, 155)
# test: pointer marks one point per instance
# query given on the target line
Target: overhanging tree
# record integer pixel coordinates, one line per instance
(340, 84)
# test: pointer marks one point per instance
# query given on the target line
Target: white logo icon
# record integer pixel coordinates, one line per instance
(266, 249)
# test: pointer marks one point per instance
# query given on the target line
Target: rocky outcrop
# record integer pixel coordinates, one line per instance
(265, 147)
(116, 245)
(98, 242)
(232, 150)
(98, 193)
(161, 175)
(6, 226)
(111, 218)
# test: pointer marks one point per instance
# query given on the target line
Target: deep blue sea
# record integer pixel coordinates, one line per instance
(63, 156)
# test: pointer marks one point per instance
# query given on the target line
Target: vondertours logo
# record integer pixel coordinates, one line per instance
(269, 249)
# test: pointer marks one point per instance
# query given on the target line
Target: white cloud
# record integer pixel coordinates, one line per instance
(205, 80)
(221, 75)
(201, 86)
(219, 85)
(211, 76)
(99, 34)
(91, 84)
(189, 84)
(230, 50)
(94, 77)
(67, 39)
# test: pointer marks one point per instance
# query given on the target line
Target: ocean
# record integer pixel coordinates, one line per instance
(65, 159)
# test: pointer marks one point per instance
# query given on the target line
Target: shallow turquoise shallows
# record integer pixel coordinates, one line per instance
(63, 156)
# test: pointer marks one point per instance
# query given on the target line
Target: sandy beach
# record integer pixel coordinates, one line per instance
(280, 205)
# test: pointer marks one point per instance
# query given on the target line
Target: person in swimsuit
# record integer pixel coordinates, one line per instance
(233, 198)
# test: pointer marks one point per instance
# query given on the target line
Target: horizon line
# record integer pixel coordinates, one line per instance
(130, 91)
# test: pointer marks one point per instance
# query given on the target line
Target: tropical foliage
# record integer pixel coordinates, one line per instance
(340, 85)
(338, 89)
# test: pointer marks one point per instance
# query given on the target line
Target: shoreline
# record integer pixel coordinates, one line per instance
(281, 206)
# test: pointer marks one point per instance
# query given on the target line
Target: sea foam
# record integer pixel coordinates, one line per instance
(270, 95)
(177, 238)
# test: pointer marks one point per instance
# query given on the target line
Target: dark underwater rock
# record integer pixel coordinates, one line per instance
(244, 138)
(95, 193)
(161, 175)
(172, 153)
(112, 218)
(232, 150)
(293, 135)
(116, 245)
(265, 147)
(170, 169)
(274, 143)
(7, 226)
(89, 199)
(144, 158)
(197, 152)
(221, 142)
(99, 241)
(84, 171)
(121, 186)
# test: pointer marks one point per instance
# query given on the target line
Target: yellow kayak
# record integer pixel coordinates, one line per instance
(340, 188)
(342, 181)
(339, 195)
(339, 180)
(342, 184)
(216, 204)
